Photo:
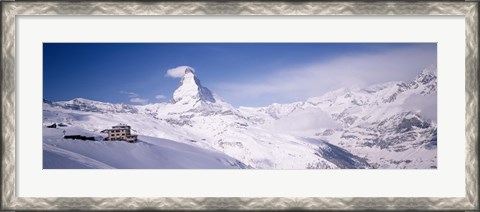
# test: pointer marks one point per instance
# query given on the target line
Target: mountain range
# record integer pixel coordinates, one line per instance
(388, 125)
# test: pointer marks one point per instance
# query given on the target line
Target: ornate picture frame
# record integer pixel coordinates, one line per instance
(10, 10)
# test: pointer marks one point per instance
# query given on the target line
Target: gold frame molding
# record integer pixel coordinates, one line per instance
(9, 10)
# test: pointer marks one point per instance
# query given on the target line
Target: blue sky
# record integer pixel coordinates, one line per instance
(243, 74)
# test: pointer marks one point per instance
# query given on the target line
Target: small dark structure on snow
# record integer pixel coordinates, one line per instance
(79, 137)
(54, 125)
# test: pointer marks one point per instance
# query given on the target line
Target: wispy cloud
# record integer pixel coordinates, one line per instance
(130, 94)
(425, 105)
(177, 72)
(351, 71)
(135, 98)
(139, 101)
(308, 119)
(160, 96)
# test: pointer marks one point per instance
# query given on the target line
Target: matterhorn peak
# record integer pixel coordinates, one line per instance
(190, 90)
(189, 70)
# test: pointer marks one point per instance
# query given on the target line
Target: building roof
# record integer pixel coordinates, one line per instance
(121, 126)
(107, 130)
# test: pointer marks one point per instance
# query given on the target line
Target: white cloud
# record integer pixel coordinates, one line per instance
(308, 119)
(130, 94)
(350, 71)
(135, 98)
(425, 105)
(178, 72)
(160, 96)
(139, 101)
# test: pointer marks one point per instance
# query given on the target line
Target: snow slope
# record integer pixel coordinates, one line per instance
(147, 153)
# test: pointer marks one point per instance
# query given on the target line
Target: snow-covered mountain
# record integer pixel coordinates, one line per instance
(191, 92)
(390, 125)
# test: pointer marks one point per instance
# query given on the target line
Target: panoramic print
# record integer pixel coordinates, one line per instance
(239, 106)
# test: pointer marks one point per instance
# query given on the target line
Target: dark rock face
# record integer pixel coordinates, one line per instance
(337, 155)
(408, 124)
(328, 132)
(432, 143)
(341, 157)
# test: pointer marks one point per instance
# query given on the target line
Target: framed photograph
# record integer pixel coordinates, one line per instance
(239, 105)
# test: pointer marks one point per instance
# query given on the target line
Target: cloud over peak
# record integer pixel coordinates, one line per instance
(178, 72)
